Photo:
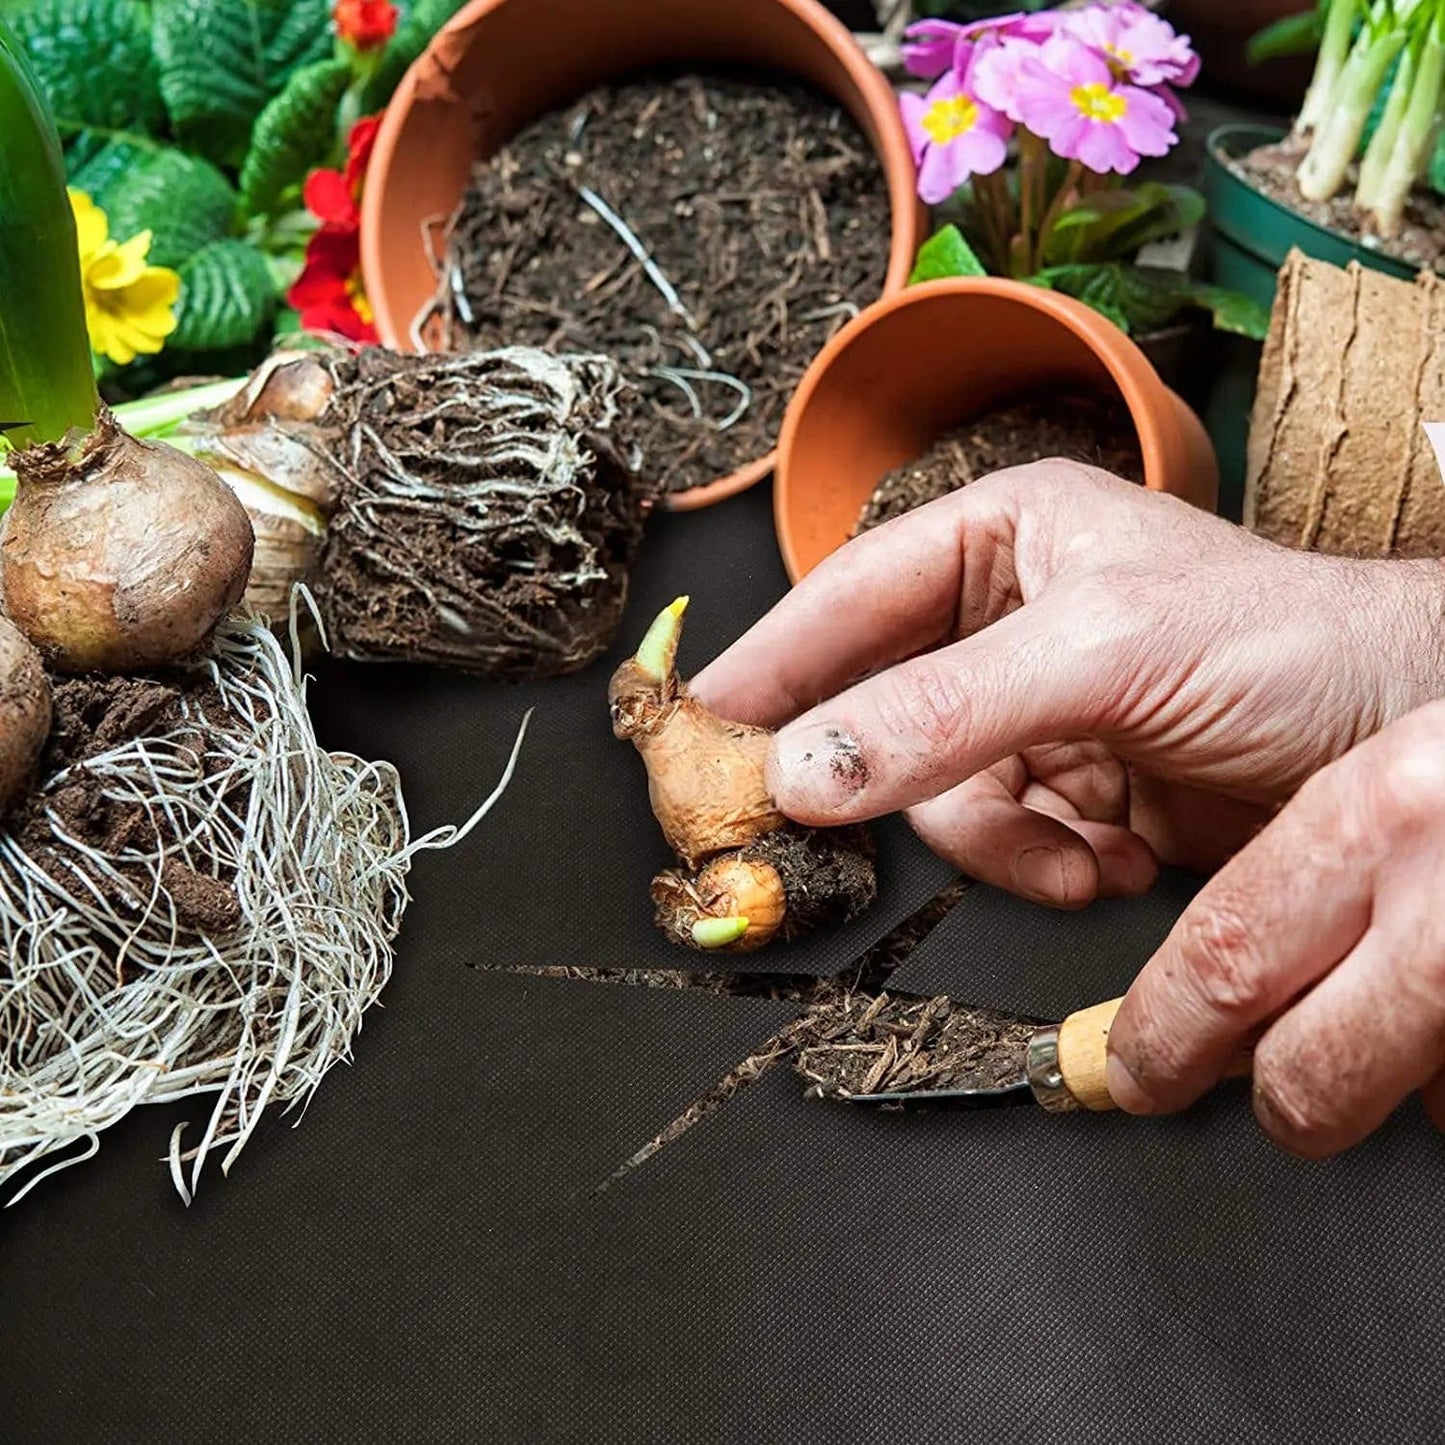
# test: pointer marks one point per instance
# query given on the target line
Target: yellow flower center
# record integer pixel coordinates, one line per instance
(1098, 102)
(1124, 57)
(359, 303)
(946, 120)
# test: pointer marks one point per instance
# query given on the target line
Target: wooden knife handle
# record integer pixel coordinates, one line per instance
(1082, 1049)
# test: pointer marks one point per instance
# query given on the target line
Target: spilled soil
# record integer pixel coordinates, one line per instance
(883, 1045)
(1097, 430)
(708, 232)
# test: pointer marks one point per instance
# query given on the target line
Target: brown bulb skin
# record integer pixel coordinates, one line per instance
(24, 712)
(121, 555)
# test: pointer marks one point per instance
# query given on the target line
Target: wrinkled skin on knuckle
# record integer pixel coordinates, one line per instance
(1221, 959)
(1408, 780)
(925, 704)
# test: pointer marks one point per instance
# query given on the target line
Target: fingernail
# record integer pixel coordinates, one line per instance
(1124, 1089)
(1039, 873)
(817, 769)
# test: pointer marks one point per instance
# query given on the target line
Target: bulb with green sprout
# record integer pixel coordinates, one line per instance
(118, 555)
(748, 875)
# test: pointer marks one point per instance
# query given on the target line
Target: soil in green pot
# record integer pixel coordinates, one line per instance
(1273, 169)
(1097, 430)
(764, 218)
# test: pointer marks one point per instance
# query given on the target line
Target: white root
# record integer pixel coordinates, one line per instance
(316, 847)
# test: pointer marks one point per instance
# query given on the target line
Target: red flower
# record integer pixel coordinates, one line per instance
(328, 292)
(364, 24)
(333, 196)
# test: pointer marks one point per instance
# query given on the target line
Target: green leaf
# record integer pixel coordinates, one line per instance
(945, 253)
(222, 60)
(1113, 225)
(421, 19)
(183, 201)
(227, 296)
(1135, 298)
(294, 133)
(1437, 167)
(94, 62)
(95, 162)
(1232, 311)
(1143, 298)
(1290, 35)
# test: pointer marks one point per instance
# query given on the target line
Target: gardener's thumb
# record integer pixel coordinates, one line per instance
(1040, 675)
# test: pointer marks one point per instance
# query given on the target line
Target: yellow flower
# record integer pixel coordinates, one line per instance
(128, 305)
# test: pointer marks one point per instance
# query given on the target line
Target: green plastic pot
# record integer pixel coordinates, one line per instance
(1252, 234)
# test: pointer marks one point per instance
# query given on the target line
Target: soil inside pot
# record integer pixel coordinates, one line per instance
(92, 716)
(863, 1045)
(762, 211)
(1093, 429)
(1273, 168)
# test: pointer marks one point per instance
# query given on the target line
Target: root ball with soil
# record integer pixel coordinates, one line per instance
(748, 874)
(196, 896)
(473, 511)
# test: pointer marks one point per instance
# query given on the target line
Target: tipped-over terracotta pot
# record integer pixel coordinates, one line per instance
(917, 364)
(499, 64)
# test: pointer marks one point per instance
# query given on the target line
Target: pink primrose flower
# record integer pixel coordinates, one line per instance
(1067, 93)
(1140, 47)
(954, 136)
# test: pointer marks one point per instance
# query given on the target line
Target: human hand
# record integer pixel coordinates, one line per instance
(1327, 933)
(1067, 674)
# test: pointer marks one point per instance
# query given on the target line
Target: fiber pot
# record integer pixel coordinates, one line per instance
(498, 64)
(1253, 233)
(914, 365)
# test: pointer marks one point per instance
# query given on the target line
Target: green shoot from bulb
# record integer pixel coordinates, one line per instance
(47, 383)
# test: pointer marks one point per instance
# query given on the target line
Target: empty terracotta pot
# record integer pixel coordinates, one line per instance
(917, 364)
(498, 64)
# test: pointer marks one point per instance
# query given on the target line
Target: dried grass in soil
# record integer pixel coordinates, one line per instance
(885, 1045)
(1097, 430)
(1274, 169)
(763, 214)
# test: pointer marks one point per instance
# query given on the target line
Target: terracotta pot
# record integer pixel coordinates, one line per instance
(917, 364)
(498, 64)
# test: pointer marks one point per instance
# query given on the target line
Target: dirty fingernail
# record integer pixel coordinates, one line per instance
(1124, 1089)
(817, 769)
(1039, 873)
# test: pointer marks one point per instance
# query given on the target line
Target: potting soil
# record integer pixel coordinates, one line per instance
(763, 216)
(1274, 170)
(1097, 430)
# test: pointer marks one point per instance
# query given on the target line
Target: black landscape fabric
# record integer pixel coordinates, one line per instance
(404, 1266)
(561, 871)
(426, 1259)
(998, 951)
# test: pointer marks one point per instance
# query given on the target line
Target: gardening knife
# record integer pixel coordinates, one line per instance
(1061, 1069)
